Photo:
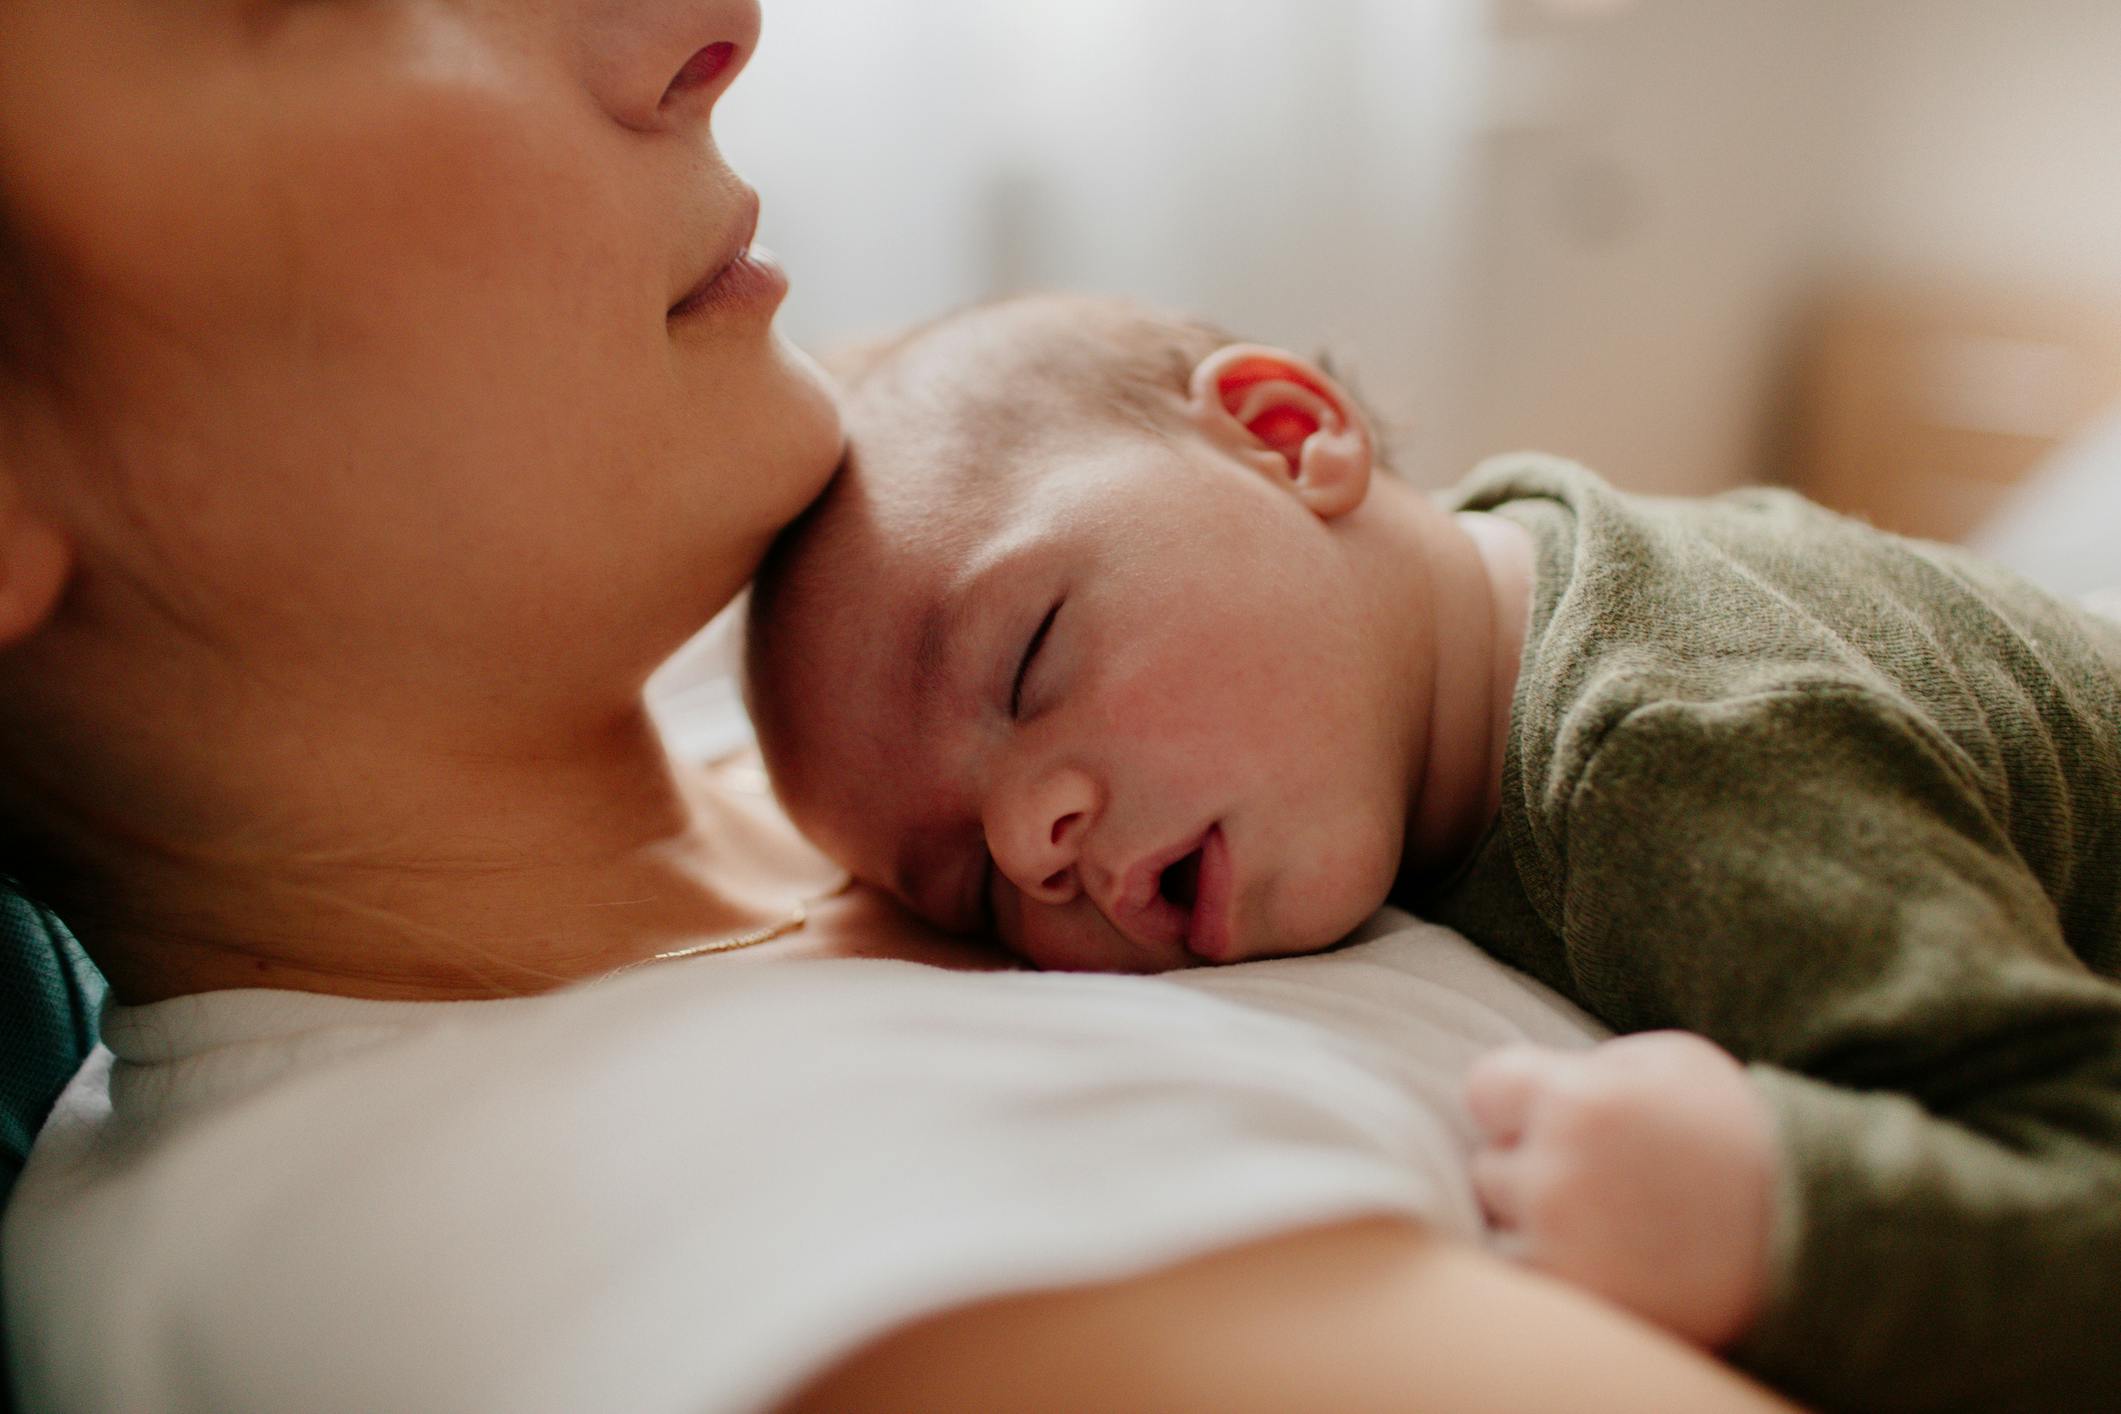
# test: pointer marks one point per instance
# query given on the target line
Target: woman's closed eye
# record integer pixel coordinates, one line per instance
(1023, 669)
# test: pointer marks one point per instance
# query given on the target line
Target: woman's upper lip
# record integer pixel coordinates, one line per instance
(741, 234)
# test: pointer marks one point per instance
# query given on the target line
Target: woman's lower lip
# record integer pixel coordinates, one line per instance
(1208, 929)
(754, 281)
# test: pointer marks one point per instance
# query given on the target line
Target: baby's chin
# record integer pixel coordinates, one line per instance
(1319, 922)
(1306, 946)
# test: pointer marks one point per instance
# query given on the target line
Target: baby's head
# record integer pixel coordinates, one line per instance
(1084, 646)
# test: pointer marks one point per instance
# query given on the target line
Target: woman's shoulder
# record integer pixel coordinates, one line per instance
(539, 1204)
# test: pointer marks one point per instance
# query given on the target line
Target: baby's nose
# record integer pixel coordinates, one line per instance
(1036, 833)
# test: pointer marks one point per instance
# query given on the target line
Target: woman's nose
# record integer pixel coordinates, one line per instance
(657, 64)
(1035, 831)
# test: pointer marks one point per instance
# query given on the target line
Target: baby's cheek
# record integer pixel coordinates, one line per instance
(1175, 713)
(1330, 889)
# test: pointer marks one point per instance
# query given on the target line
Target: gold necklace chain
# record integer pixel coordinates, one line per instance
(798, 917)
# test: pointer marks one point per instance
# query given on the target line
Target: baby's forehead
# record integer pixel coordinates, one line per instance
(931, 482)
(936, 481)
(908, 519)
(848, 740)
(883, 555)
(896, 522)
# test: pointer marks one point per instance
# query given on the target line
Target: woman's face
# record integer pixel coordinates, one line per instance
(385, 350)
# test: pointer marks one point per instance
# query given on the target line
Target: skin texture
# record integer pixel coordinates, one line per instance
(372, 477)
(1238, 629)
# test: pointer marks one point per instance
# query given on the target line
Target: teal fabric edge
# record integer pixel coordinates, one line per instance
(51, 1000)
(51, 997)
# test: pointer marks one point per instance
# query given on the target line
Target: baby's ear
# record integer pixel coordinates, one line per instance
(1287, 418)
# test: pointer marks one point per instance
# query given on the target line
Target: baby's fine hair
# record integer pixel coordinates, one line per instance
(1035, 365)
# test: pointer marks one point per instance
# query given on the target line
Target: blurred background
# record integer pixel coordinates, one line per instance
(1871, 248)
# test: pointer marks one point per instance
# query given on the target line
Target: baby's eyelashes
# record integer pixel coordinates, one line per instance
(1023, 668)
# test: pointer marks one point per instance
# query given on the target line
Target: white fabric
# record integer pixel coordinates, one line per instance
(694, 697)
(2062, 528)
(691, 1188)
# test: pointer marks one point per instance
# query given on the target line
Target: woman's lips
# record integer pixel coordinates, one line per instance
(753, 280)
(747, 277)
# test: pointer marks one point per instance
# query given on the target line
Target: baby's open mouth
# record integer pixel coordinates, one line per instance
(1159, 903)
(1180, 880)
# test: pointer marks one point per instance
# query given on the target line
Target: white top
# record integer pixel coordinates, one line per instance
(695, 1186)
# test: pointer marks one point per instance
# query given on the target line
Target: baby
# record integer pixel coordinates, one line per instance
(1114, 640)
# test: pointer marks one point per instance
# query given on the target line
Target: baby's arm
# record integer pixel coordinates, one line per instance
(1825, 891)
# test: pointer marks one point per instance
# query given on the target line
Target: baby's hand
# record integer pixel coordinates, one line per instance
(1643, 1169)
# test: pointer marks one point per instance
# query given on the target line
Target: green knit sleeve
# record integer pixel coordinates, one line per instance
(1821, 884)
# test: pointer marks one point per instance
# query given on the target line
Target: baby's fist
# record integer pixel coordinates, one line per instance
(1643, 1169)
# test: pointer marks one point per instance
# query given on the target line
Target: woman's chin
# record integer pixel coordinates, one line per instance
(797, 435)
(818, 417)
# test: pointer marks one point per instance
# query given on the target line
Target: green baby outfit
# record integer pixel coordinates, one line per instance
(1849, 805)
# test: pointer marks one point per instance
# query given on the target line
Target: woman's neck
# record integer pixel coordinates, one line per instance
(472, 873)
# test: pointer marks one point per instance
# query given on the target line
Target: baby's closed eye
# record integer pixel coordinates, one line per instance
(1023, 668)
